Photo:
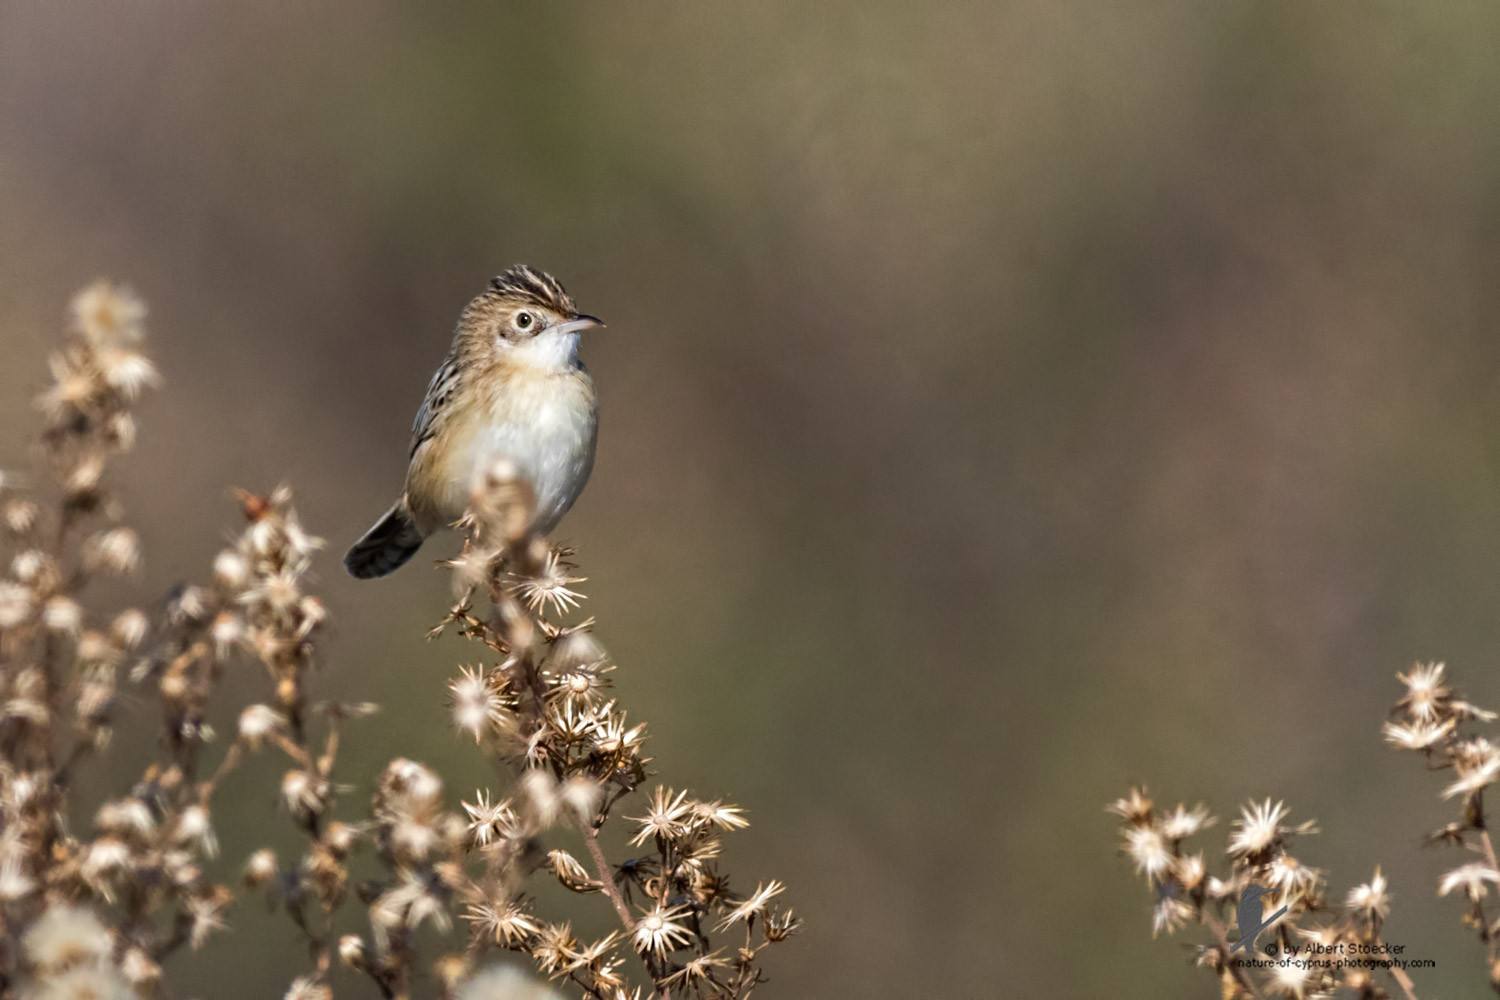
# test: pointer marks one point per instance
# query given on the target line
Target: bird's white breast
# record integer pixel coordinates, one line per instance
(547, 426)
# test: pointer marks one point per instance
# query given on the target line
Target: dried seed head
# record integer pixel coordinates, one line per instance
(1425, 691)
(1476, 761)
(104, 859)
(1370, 902)
(20, 517)
(582, 795)
(352, 951)
(1474, 879)
(63, 615)
(548, 586)
(231, 571)
(1294, 881)
(501, 503)
(305, 794)
(96, 650)
(129, 628)
(64, 937)
(127, 819)
(340, 838)
(226, 632)
(117, 551)
(410, 788)
(260, 868)
(34, 568)
(139, 968)
(195, 829)
(1183, 822)
(308, 988)
(507, 923)
(506, 983)
(127, 372)
(109, 315)
(81, 485)
(476, 703)
(1260, 828)
(259, 721)
(1418, 734)
(541, 793)
(119, 429)
(658, 931)
(16, 604)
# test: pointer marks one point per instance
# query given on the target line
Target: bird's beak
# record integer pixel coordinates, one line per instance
(578, 323)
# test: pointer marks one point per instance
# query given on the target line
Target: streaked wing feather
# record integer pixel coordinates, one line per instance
(439, 394)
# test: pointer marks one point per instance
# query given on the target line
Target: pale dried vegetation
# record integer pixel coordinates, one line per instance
(1321, 945)
(97, 898)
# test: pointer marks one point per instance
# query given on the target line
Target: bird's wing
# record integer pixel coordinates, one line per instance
(439, 394)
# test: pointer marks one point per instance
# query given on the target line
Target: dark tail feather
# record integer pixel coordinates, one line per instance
(385, 547)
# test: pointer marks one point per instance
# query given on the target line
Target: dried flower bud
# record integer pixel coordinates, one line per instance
(34, 567)
(308, 988)
(119, 428)
(571, 873)
(127, 819)
(195, 829)
(339, 838)
(67, 936)
(314, 613)
(117, 550)
(125, 371)
(304, 794)
(582, 795)
(257, 722)
(352, 951)
(780, 926)
(104, 859)
(109, 315)
(189, 605)
(260, 868)
(410, 788)
(412, 840)
(226, 632)
(230, 570)
(15, 604)
(96, 649)
(81, 485)
(541, 792)
(451, 969)
(502, 502)
(139, 968)
(63, 614)
(129, 628)
(20, 516)
(173, 685)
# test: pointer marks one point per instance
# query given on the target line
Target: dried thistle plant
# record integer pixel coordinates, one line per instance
(1429, 719)
(97, 909)
(542, 709)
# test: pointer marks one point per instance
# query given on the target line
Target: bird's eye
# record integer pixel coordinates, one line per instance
(524, 320)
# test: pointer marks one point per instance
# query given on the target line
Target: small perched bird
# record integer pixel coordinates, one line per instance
(511, 388)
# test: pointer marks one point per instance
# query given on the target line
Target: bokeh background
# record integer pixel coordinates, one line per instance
(1002, 402)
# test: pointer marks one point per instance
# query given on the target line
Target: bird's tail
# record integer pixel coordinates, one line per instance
(385, 547)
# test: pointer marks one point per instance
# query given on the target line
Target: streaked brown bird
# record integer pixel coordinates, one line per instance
(511, 388)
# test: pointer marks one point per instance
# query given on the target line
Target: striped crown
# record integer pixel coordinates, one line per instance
(534, 287)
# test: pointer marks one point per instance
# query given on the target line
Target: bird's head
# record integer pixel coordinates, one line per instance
(1253, 892)
(526, 317)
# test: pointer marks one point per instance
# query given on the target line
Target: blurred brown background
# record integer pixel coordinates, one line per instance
(1002, 402)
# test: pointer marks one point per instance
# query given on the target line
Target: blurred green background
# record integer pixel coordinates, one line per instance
(1001, 403)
